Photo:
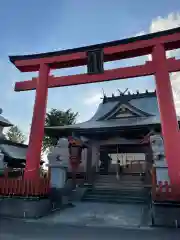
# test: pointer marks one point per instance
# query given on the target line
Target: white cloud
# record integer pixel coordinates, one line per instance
(93, 99)
(140, 34)
(160, 24)
(157, 24)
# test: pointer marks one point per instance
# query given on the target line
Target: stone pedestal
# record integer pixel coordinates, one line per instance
(166, 215)
(57, 183)
(159, 158)
(17, 207)
(58, 165)
(58, 176)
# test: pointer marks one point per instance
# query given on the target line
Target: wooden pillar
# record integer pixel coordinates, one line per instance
(89, 164)
(169, 124)
(37, 127)
(148, 163)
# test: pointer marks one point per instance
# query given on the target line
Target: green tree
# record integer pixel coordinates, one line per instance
(57, 117)
(14, 134)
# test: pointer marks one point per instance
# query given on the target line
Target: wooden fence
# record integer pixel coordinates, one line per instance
(163, 191)
(22, 187)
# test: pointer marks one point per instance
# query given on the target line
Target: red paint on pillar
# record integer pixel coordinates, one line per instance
(169, 123)
(37, 128)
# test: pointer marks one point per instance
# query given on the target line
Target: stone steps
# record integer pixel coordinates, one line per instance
(109, 189)
(126, 196)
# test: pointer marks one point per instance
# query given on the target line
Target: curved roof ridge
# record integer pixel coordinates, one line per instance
(148, 105)
(130, 96)
(103, 110)
(5, 122)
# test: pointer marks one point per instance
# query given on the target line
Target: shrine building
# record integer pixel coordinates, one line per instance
(14, 153)
(119, 130)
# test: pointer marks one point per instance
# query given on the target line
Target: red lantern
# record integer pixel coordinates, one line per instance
(75, 155)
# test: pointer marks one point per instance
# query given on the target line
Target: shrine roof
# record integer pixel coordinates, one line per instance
(92, 47)
(144, 104)
(115, 123)
(13, 150)
(4, 122)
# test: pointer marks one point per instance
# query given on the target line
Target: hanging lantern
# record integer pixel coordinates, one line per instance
(75, 150)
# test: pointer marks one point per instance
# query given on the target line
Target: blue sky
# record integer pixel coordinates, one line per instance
(42, 25)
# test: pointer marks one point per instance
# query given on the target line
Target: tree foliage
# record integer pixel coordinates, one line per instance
(14, 134)
(57, 117)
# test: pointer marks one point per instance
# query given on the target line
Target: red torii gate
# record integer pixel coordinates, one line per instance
(94, 56)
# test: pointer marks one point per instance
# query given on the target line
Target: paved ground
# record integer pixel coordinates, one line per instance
(89, 221)
(18, 230)
(100, 214)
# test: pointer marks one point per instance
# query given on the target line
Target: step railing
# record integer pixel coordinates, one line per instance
(131, 166)
(136, 166)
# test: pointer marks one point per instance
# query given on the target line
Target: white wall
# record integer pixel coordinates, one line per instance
(123, 157)
(95, 154)
(82, 167)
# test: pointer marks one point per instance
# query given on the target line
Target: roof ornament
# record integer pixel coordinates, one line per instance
(147, 91)
(104, 95)
(1, 110)
(137, 92)
(122, 93)
(129, 93)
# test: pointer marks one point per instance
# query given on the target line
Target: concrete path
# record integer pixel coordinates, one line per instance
(18, 230)
(100, 214)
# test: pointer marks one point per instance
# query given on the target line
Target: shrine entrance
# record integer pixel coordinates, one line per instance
(110, 184)
(155, 44)
(133, 160)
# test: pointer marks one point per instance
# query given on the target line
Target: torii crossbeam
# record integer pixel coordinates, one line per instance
(94, 57)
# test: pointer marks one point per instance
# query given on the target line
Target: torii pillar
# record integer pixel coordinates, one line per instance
(169, 123)
(94, 57)
(37, 126)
